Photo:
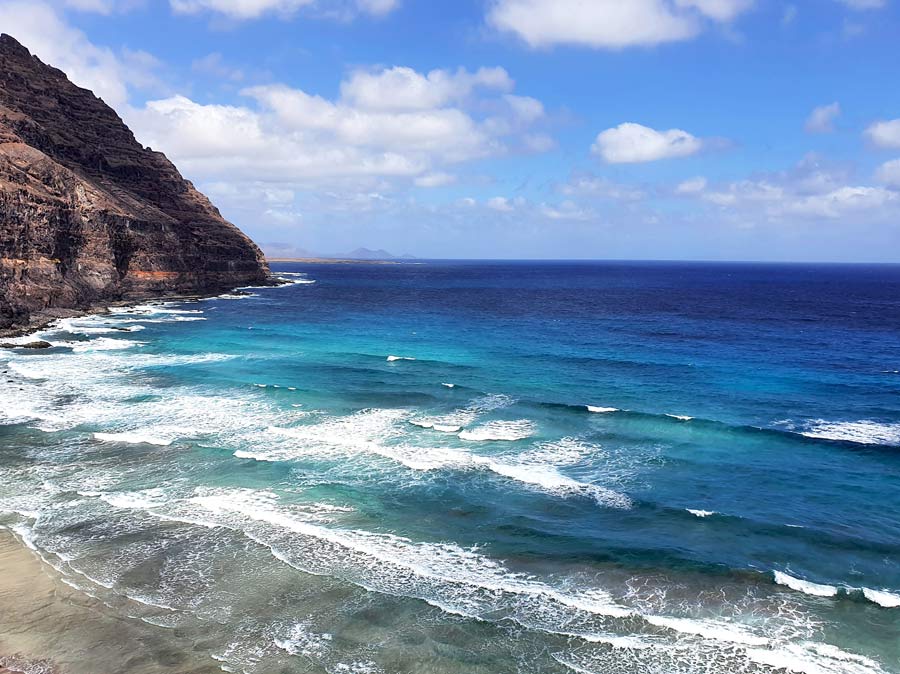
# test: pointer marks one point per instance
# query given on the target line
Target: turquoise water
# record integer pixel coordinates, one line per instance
(481, 467)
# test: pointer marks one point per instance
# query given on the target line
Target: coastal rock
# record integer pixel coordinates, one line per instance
(38, 344)
(88, 215)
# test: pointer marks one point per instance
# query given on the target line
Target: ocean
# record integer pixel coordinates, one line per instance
(480, 467)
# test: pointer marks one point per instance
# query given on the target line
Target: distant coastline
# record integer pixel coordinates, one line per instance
(329, 260)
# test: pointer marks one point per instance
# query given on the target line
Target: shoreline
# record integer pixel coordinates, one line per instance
(47, 627)
(42, 320)
(334, 260)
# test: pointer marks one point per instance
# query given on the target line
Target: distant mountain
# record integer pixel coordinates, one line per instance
(369, 254)
(276, 250)
(286, 250)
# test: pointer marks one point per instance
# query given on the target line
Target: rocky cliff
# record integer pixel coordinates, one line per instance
(88, 215)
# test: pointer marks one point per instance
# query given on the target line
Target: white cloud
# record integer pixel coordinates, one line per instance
(885, 133)
(889, 173)
(401, 88)
(588, 185)
(567, 210)
(864, 4)
(811, 190)
(377, 7)
(283, 134)
(609, 24)
(39, 27)
(719, 10)
(692, 186)
(821, 119)
(633, 143)
(501, 204)
(841, 202)
(253, 9)
(438, 179)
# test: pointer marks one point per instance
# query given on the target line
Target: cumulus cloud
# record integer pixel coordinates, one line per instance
(634, 143)
(692, 186)
(402, 88)
(390, 124)
(610, 24)
(811, 190)
(253, 9)
(885, 134)
(40, 27)
(889, 173)
(501, 204)
(821, 119)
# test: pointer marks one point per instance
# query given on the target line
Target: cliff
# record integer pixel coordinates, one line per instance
(88, 215)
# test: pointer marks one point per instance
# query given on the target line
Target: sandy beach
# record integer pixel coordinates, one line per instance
(47, 627)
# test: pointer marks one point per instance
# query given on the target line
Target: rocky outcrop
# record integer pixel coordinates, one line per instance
(90, 216)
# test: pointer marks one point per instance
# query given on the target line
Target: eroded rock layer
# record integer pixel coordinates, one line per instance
(87, 214)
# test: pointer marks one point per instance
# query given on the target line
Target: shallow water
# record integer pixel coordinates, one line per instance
(461, 467)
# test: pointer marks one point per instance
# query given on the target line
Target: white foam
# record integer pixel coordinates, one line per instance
(298, 281)
(133, 437)
(509, 431)
(813, 658)
(136, 500)
(392, 359)
(709, 629)
(447, 428)
(865, 432)
(443, 574)
(448, 385)
(680, 417)
(104, 344)
(431, 425)
(601, 410)
(805, 586)
(882, 597)
(232, 296)
(547, 478)
(701, 513)
(300, 640)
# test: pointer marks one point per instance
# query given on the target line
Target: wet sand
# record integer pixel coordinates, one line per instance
(46, 627)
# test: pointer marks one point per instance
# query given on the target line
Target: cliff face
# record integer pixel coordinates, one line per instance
(88, 215)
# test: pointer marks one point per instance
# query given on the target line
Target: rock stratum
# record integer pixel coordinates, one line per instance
(88, 216)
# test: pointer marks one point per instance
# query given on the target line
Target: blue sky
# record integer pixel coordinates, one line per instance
(647, 129)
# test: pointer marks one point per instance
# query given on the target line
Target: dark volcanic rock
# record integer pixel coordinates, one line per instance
(39, 344)
(88, 215)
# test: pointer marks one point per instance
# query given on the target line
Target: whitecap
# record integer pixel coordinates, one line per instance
(866, 432)
(549, 479)
(500, 430)
(680, 417)
(104, 344)
(448, 385)
(447, 428)
(601, 410)
(701, 513)
(882, 597)
(392, 359)
(133, 437)
(805, 586)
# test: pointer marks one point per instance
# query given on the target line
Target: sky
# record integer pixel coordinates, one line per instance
(603, 129)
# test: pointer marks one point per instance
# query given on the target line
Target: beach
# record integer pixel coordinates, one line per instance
(47, 627)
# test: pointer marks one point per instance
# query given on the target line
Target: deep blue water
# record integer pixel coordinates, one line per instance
(482, 467)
